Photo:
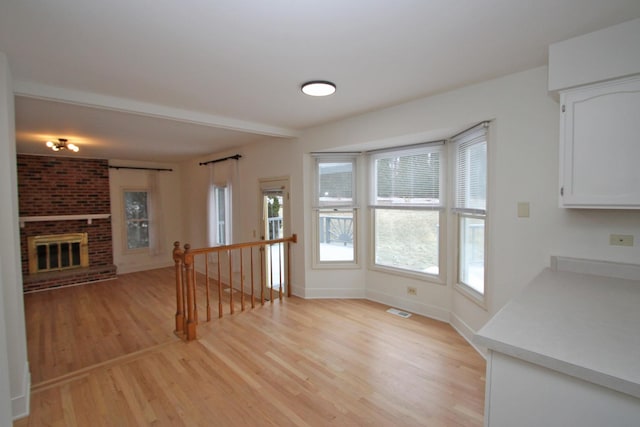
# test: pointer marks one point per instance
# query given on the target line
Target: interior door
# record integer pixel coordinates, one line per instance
(274, 197)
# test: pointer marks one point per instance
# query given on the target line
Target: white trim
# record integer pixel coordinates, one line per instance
(20, 404)
(71, 285)
(467, 333)
(96, 100)
(422, 309)
(88, 217)
(471, 294)
(134, 268)
(330, 293)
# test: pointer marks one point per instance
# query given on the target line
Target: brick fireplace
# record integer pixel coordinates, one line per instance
(65, 196)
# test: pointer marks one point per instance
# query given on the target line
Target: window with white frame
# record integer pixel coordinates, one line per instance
(407, 204)
(222, 180)
(219, 224)
(136, 213)
(335, 209)
(220, 201)
(470, 207)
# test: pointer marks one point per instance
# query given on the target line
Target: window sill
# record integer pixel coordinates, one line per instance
(471, 294)
(136, 251)
(438, 280)
(335, 265)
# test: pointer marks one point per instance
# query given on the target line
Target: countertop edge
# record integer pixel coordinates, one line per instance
(614, 383)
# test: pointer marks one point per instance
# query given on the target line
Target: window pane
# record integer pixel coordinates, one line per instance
(335, 183)
(136, 214)
(274, 216)
(137, 234)
(471, 267)
(336, 235)
(407, 239)
(408, 179)
(135, 204)
(220, 194)
(471, 172)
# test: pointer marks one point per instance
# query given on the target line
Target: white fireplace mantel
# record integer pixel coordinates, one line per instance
(88, 217)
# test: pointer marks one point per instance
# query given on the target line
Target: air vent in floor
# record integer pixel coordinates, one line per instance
(399, 313)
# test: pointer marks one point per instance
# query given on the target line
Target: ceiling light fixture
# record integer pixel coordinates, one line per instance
(318, 88)
(62, 145)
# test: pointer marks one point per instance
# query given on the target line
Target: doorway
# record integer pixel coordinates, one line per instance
(274, 224)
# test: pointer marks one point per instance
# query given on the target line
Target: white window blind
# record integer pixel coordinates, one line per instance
(409, 177)
(471, 171)
(335, 185)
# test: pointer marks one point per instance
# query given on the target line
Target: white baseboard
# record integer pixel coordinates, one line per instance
(466, 332)
(408, 305)
(328, 293)
(20, 403)
(124, 269)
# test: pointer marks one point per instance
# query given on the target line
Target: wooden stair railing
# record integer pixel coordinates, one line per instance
(186, 268)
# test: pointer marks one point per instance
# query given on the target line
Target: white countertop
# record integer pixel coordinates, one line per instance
(583, 325)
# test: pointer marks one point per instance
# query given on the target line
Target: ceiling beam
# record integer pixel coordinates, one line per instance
(130, 106)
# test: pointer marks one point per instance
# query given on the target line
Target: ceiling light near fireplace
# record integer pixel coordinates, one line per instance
(318, 88)
(62, 145)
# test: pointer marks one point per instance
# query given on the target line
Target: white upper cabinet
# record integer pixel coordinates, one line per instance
(600, 145)
(598, 78)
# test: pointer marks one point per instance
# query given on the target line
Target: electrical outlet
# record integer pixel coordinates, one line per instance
(621, 240)
(411, 290)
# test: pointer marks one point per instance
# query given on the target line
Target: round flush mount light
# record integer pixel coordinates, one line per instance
(318, 88)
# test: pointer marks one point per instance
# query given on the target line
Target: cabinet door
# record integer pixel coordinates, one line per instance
(600, 146)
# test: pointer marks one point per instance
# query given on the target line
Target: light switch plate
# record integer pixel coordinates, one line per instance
(523, 209)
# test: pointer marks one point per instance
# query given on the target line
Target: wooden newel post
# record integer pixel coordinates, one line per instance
(177, 259)
(189, 271)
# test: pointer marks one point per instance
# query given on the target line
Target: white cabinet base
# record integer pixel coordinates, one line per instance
(522, 394)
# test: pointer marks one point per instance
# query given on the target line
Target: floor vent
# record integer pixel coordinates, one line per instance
(399, 313)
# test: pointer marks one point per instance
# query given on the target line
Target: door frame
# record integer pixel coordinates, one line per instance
(266, 185)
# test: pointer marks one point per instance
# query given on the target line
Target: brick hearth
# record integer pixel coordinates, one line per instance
(50, 186)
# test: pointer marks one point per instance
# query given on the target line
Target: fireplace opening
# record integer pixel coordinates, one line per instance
(57, 252)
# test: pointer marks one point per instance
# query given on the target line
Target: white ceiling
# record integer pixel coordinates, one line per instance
(164, 80)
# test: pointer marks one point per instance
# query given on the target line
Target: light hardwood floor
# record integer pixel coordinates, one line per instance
(296, 362)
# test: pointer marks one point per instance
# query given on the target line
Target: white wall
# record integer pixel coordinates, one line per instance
(194, 189)
(596, 56)
(14, 368)
(523, 163)
(523, 167)
(170, 195)
(267, 159)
